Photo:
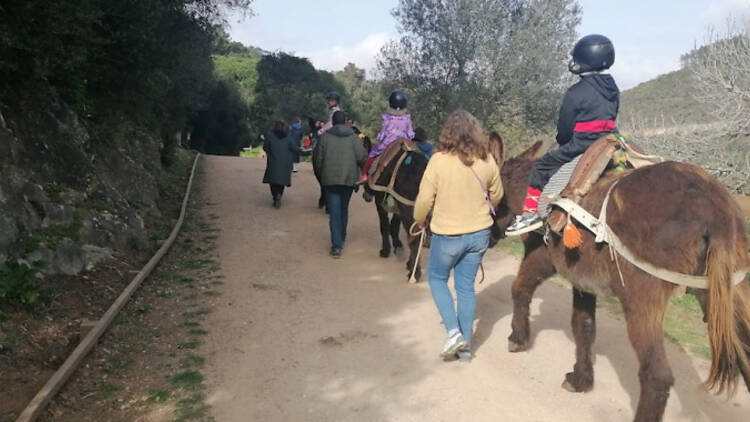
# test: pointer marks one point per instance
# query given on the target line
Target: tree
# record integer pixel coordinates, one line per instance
(499, 59)
(149, 60)
(290, 86)
(720, 73)
(368, 100)
(222, 127)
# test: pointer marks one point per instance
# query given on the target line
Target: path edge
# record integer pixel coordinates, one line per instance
(37, 405)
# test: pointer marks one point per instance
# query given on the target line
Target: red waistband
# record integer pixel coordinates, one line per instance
(595, 126)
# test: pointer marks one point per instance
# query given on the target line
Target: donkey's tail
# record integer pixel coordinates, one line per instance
(728, 317)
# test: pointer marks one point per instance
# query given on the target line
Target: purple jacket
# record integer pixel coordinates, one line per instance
(394, 127)
(329, 123)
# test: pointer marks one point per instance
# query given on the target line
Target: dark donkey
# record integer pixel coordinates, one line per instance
(671, 214)
(406, 184)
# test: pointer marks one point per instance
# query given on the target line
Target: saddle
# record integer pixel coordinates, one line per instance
(399, 148)
(384, 159)
(610, 154)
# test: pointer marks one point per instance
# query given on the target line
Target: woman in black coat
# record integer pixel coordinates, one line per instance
(280, 151)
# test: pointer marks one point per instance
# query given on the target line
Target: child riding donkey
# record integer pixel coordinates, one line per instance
(396, 125)
(587, 113)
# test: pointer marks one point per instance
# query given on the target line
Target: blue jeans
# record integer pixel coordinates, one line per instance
(337, 200)
(462, 254)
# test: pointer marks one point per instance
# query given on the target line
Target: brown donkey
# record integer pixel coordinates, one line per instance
(406, 184)
(670, 214)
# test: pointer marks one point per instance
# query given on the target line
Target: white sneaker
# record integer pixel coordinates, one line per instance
(452, 345)
(524, 223)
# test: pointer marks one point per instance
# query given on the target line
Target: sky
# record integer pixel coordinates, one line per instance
(649, 35)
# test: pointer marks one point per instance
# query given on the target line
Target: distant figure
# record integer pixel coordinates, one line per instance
(296, 133)
(280, 150)
(462, 187)
(338, 156)
(420, 137)
(333, 99)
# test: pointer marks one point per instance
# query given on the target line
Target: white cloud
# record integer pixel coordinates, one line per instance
(719, 10)
(362, 54)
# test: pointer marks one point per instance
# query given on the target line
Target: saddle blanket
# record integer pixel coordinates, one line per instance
(556, 185)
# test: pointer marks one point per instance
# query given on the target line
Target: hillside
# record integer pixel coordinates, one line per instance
(664, 101)
(663, 116)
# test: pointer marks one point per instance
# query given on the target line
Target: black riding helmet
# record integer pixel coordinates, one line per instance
(397, 100)
(592, 53)
(333, 95)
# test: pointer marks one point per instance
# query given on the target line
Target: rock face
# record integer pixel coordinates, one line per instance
(67, 197)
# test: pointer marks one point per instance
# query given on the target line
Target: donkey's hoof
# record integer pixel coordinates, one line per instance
(514, 347)
(573, 384)
(385, 253)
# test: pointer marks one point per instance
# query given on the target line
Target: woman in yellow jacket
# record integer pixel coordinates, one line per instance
(461, 187)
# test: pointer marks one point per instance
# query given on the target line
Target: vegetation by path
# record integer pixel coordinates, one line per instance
(149, 364)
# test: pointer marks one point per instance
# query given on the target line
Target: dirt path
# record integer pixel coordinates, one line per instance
(297, 336)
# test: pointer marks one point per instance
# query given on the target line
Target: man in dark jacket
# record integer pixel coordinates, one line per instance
(587, 113)
(280, 151)
(338, 158)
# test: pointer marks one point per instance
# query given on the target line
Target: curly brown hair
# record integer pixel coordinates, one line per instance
(463, 135)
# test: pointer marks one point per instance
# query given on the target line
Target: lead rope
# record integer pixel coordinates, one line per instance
(421, 233)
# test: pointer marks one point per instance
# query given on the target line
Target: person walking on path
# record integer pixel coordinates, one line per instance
(296, 133)
(280, 150)
(461, 186)
(420, 137)
(339, 156)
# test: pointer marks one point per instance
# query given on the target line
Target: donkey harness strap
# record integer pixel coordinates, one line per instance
(605, 234)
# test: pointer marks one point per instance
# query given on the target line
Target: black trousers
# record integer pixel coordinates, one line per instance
(544, 168)
(277, 190)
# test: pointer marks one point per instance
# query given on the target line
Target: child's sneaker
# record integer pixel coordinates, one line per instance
(524, 223)
(453, 344)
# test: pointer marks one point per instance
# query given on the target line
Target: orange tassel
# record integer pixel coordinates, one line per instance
(571, 236)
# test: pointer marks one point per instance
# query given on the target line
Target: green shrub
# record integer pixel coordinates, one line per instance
(19, 284)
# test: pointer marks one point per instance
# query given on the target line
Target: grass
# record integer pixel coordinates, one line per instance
(107, 390)
(189, 380)
(684, 325)
(10, 342)
(513, 245)
(158, 395)
(192, 361)
(252, 153)
(191, 408)
(189, 345)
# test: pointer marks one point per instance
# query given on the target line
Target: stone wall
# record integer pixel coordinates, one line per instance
(67, 197)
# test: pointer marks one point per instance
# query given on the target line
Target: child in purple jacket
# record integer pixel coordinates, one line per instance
(396, 125)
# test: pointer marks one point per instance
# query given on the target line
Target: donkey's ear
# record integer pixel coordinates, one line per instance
(497, 148)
